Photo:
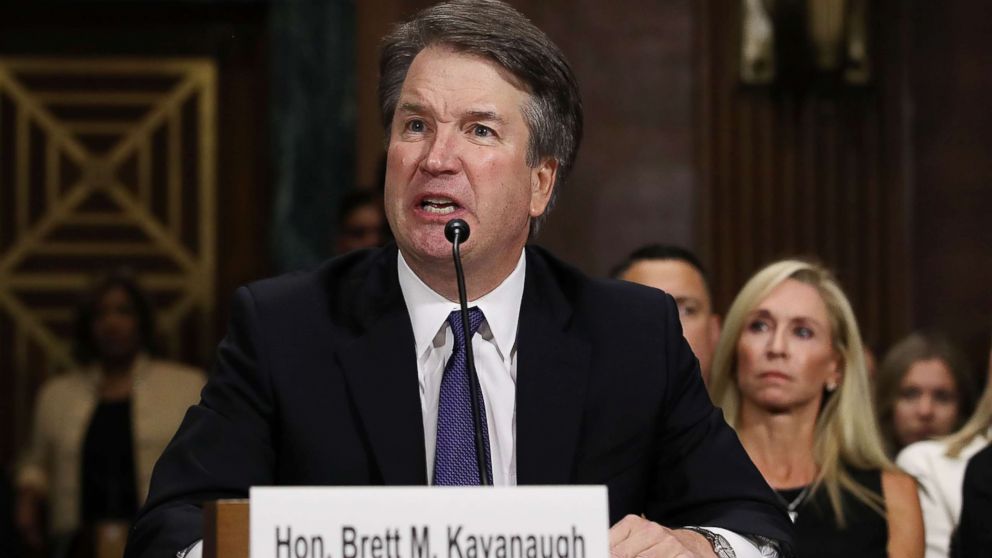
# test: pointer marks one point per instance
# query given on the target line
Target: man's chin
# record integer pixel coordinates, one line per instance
(432, 249)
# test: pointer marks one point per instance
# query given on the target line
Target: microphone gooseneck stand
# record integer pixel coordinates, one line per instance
(457, 231)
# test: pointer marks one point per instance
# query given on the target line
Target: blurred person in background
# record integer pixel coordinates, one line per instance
(679, 273)
(939, 468)
(924, 390)
(99, 429)
(789, 373)
(361, 222)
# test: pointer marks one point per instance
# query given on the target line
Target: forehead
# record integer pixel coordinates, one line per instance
(675, 277)
(445, 80)
(794, 299)
(932, 371)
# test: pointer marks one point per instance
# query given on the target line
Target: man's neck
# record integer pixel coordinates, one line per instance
(481, 278)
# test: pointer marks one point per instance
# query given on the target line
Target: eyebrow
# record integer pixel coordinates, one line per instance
(487, 115)
(411, 107)
(761, 312)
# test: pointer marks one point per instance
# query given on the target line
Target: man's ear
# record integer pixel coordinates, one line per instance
(542, 184)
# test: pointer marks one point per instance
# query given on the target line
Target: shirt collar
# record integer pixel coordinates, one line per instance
(428, 310)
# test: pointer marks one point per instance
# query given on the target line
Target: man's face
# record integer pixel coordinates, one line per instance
(363, 227)
(458, 149)
(679, 279)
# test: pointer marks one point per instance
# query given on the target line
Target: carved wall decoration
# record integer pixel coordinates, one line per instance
(104, 163)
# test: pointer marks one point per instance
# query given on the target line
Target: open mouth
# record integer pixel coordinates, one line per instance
(438, 206)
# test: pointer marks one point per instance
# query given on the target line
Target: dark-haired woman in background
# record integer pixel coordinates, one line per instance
(99, 429)
(939, 468)
(924, 390)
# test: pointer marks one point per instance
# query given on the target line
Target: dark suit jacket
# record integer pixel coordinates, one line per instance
(974, 533)
(316, 384)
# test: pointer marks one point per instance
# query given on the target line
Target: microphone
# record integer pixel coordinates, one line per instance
(457, 231)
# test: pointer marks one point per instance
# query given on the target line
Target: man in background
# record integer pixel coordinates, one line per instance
(679, 273)
(361, 222)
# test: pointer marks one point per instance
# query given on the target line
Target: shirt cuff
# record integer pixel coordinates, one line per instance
(193, 551)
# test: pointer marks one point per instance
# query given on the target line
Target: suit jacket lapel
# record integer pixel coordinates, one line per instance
(552, 373)
(381, 370)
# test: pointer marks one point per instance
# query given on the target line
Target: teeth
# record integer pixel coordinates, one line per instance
(439, 206)
(439, 210)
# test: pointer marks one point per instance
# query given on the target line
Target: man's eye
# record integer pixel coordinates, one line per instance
(688, 310)
(416, 126)
(482, 131)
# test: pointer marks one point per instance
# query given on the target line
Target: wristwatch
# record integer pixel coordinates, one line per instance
(719, 544)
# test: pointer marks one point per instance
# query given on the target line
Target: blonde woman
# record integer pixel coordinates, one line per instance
(789, 373)
(939, 466)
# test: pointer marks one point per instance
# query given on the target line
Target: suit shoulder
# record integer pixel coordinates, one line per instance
(341, 291)
(603, 296)
(342, 276)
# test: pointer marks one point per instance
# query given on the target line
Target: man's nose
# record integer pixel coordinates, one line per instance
(442, 153)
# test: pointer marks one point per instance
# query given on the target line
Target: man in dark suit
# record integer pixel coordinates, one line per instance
(347, 375)
(973, 536)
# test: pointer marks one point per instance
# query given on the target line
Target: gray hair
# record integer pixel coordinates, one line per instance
(498, 32)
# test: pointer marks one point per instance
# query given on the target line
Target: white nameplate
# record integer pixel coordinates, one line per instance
(429, 522)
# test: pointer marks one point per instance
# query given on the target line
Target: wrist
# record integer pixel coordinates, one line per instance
(704, 542)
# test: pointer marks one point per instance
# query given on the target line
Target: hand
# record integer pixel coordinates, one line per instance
(634, 536)
(28, 517)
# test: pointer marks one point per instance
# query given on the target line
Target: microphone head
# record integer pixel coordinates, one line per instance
(456, 227)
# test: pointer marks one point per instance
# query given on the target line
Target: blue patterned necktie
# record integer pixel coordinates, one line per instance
(454, 456)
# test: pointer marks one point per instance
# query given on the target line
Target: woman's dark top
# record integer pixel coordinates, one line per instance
(9, 537)
(866, 533)
(108, 482)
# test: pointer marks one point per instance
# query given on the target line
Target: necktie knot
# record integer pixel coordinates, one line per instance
(475, 319)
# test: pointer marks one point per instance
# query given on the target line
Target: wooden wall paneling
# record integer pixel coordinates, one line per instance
(118, 177)
(373, 21)
(950, 73)
(798, 172)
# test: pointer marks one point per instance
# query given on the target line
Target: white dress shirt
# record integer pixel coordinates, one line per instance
(939, 480)
(495, 352)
